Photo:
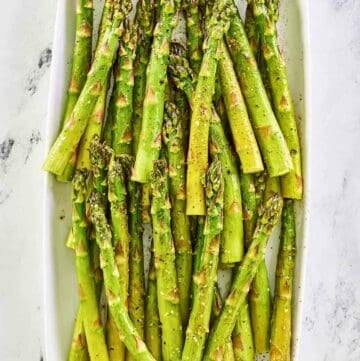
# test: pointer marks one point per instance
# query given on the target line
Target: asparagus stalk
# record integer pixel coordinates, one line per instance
(204, 279)
(145, 203)
(198, 249)
(251, 31)
(131, 338)
(68, 139)
(137, 282)
(152, 320)
(80, 68)
(93, 129)
(153, 109)
(242, 336)
(228, 352)
(259, 295)
(291, 183)
(232, 243)
(81, 158)
(197, 158)
(232, 236)
(268, 217)
(241, 129)
(194, 33)
(144, 18)
(123, 93)
(280, 343)
(173, 139)
(78, 350)
(88, 302)
(267, 131)
(99, 157)
(166, 277)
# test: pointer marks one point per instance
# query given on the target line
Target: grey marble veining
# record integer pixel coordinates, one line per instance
(331, 318)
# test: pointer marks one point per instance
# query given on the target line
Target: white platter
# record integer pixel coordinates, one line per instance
(60, 292)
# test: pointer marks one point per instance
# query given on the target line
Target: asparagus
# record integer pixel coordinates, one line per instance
(242, 336)
(88, 302)
(267, 131)
(93, 129)
(145, 203)
(131, 338)
(78, 350)
(80, 67)
(205, 278)
(268, 217)
(232, 237)
(173, 139)
(232, 243)
(251, 31)
(99, 157)
(137, 282)
(280, 343)
(70, 135)
(119, 167)
(259, 295)
(81, 157)
(198, 249)
(153, 109)
(194, 33)
(144, 19)
(152, 321)
(242, 132)
(291, 183)
(123, 93)
(197, 158)
(228, 350)
(166, 277)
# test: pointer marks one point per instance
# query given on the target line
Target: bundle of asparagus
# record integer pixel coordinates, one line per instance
(212, 174)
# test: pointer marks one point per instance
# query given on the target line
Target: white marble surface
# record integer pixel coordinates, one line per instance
(331, 319)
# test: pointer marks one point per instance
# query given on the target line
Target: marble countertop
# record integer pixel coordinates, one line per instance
(331, 318)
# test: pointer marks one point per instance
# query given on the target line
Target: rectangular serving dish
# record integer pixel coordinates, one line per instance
(59, 282)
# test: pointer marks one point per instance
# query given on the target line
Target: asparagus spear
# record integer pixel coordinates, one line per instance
(80, 68)
(173, 139)
(268, 217)
(197, 158)
(267, 131)
(81, 157)
(123, 92)
(88, 302)
(205, 278)
(241, 129)
(99, 156)
(78, 350)
(232, 243)
(259, 295)
(232, 237)
(291, 183)
(153, 109)
(166, 277)
(228, 352)
(144, 19)
(280, 343)
(152, 320)
(118, 310)
(137, 282)
(93, 129)
(242, 336)
(194, 33)
(70, 135)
